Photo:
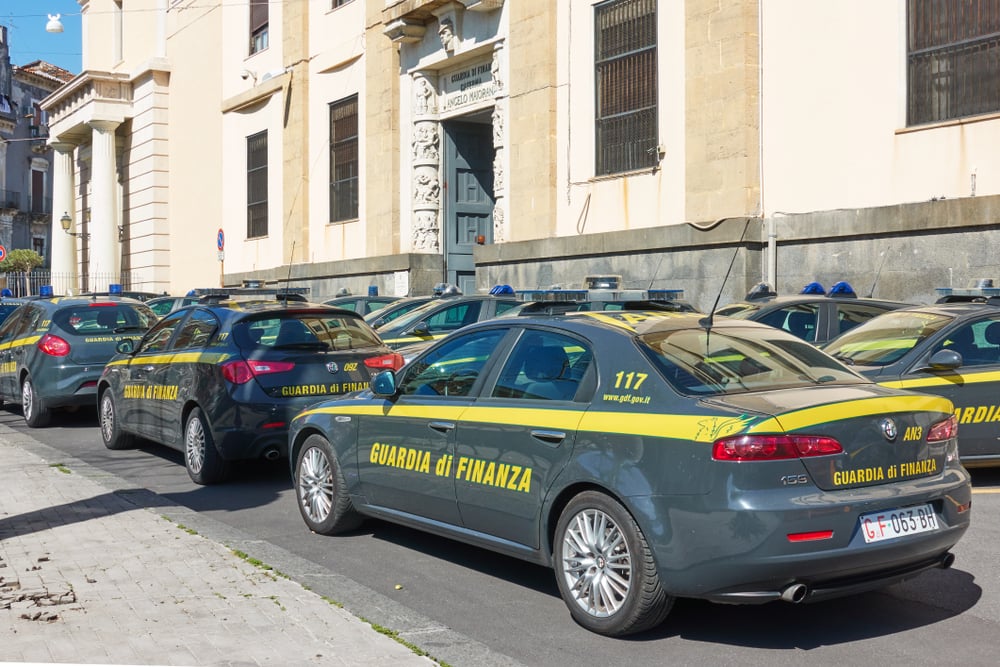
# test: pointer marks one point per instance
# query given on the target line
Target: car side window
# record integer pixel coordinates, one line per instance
(452, 368)
(798, 320)
(197, 331)
(850, 315)
(544, 365)
(454, 317)
(13, 323)
(977, 342)
(503, 306)
(159, 336)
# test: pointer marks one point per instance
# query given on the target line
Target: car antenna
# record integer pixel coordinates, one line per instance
(878, 273)
(291, 258)
(707, 320)
(656, 271)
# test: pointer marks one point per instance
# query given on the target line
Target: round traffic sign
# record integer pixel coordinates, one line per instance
(220, 241)
(3, 253)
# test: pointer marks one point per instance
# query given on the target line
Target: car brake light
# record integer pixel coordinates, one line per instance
(240, 372)
(393, 361)
(53, 346)
(943, 430)
(773, 447)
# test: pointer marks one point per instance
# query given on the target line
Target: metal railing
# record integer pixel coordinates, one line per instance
(30, 283)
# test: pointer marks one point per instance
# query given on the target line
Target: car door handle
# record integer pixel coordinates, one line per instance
(443, 427)
(548, 437)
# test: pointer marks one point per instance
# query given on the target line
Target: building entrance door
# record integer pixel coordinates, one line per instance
(468, 211)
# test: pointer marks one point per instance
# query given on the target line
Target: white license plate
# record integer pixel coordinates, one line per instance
(889, 524)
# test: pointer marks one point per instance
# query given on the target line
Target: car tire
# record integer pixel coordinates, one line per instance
(36, 414)
(321, 490)
(111, 432)
(203, 462)
(605, 569)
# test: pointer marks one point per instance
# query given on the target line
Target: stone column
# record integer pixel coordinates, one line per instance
(426, 143)
(104, 214)
(499, 142)
(65, 267)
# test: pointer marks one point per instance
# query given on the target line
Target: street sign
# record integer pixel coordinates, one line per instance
(220, 241)
(3, 253)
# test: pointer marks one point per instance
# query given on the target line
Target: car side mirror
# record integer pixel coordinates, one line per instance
(945, 360)
(125, 346)
(419, 329)
(384, 384)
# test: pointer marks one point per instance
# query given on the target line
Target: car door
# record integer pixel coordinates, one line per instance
(973, 387)
(406, 450)
(13, 327)
(514, 440)
(185, 368)
(143, 381)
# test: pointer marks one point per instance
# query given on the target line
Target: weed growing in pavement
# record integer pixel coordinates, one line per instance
(61, 467)
(394, 635)
(274, 599)
(259, 564)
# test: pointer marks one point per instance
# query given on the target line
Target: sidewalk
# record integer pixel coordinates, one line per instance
(88, 577)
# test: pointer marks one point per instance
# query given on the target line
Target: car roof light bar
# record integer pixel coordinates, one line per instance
(582, 295)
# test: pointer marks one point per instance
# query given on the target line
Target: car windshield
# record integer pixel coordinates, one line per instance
(735, 360)
(884, 339)
(306, 330)
(90, 319)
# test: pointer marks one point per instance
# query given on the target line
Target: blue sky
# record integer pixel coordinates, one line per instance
(25, 21)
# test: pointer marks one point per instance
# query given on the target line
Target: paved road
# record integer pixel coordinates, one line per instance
(503, 611)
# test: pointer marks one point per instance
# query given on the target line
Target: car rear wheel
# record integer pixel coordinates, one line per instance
(203, 462)
(605, 569)
(321, 490)
(111, 432)
(35, 413)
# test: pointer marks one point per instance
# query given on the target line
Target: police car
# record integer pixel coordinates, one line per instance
(220, 380)
(815, 315)
(645, 457)
(395, 310)
(53, 348)
(951, 349)
(441, 316)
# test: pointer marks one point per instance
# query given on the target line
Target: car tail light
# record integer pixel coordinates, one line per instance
(391, 361)
(53, 346)
(810, 536)
(773, 447)
(943, 430)
(240, 372)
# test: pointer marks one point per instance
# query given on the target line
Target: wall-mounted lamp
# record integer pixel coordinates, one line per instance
(247, 74)
(54, 24)
(67, 222)
(121, 232)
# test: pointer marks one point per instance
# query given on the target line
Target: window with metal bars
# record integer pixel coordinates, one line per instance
(344, 159)
(259, 10)
(257, 185)
(952, 58)
(625, 82)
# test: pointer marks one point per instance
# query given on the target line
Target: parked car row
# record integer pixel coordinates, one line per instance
(644, 451)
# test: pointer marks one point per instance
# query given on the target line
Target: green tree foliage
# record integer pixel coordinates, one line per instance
(21, 261)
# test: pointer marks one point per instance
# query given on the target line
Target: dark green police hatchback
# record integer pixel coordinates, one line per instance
(646, 457)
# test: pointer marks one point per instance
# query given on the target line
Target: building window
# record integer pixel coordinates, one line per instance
(258, 25)
(257, 185)
(344, 159)
(38, 245)
(953, 59)
(339, 3)
(625, 83)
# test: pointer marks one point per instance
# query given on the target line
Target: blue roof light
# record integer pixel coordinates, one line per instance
(6, 292)
(813, 288)
(843, 288)
(45, 290)
(115, 289)
(502, 289)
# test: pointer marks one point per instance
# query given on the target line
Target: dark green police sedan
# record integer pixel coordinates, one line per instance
(645, 457)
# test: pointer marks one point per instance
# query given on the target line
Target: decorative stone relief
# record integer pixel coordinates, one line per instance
(498, 170)
(497, 124)
(426, 234)
(424, 100)
(495, 68)
(446, 31)
(427, 190)
(499, 226)
(425, 142)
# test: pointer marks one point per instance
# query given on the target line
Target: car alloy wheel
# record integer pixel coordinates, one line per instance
(597, 565)
(203, 461)
(32, 407)
(315, 485)
(324, 502)
(194, 446)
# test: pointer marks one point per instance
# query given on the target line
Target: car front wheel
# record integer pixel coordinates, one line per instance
(36, 414)
(111, 431)
(321, 490)
(605, 569)
(203, 462)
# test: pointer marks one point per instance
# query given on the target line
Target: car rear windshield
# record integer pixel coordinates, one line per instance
(100, 318)
(319, 331)
(736, 360)
(884, 339)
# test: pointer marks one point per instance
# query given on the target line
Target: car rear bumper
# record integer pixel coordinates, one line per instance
(67, 386)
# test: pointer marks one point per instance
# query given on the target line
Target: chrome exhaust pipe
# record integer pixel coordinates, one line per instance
(271, 455)
(795, 593)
